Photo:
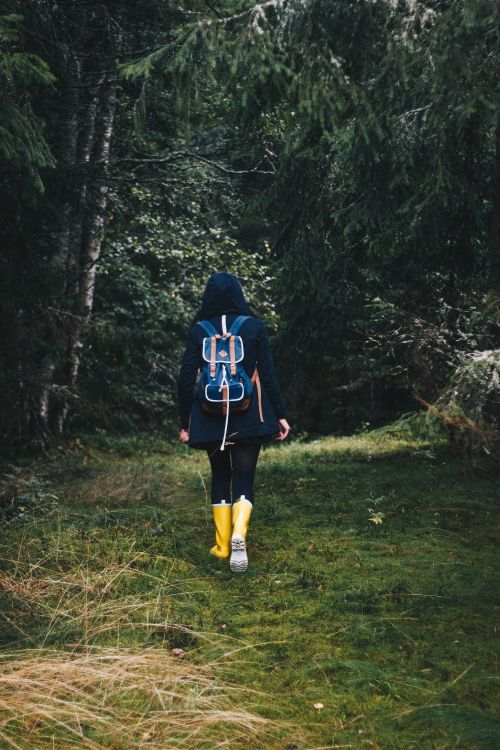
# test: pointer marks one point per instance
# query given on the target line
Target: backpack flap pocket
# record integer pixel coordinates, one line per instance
(218, 395)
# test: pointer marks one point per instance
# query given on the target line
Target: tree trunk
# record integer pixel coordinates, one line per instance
(88, 235)
(85, 146)
(68, 152)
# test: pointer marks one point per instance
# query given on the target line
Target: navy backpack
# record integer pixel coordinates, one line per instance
(224, 384)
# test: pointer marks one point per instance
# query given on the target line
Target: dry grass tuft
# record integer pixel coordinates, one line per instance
(119, 698)
(86, 693)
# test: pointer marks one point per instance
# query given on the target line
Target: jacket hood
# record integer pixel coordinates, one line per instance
(223, 295)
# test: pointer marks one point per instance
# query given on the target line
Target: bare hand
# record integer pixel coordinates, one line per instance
(184, 436)
(284, 430)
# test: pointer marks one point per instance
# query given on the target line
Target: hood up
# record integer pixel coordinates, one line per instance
(223, 295)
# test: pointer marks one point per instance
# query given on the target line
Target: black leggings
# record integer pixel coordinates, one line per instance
(236, 464)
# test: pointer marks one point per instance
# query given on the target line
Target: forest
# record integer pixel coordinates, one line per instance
(342, 159)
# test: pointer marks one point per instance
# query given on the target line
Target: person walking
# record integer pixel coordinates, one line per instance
(236, 407)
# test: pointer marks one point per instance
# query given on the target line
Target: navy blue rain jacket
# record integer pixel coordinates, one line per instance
(224, 296)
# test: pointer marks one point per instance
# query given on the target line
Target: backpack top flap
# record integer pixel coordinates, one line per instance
(223, 348)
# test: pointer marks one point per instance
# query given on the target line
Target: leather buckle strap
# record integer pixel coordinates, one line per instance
(232, 354)
(213, 352)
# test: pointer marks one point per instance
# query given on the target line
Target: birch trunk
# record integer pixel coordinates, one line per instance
(84, 153)
(101, 113)
(68, 151)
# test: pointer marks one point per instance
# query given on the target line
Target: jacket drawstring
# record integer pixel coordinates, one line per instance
(224, 380)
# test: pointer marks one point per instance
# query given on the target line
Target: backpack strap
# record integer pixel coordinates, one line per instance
(213, 336)
(237, 323)
(232, 356)
(255, 380)
(233, 331)
(207, 327)
(213, 356)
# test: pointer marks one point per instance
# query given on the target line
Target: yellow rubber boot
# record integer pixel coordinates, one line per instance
(222, 520)
(242, 510)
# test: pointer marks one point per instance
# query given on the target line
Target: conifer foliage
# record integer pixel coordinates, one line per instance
(342, 157)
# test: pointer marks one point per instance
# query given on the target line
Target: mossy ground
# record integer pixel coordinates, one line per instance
(371, 589)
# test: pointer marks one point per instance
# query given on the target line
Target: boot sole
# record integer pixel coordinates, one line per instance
(239, 559)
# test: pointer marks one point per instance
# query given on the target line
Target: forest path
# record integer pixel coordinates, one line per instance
(370, 588)
(367, 617)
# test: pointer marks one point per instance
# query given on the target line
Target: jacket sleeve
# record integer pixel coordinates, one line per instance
(187, 378)
(267, 376)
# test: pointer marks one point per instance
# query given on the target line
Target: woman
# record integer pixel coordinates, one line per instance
(234, 462)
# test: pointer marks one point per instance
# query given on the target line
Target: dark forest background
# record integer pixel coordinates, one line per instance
(342, 158)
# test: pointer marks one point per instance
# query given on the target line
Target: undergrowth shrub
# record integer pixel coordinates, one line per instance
(470, 404)
(25, 495)
(466, 413)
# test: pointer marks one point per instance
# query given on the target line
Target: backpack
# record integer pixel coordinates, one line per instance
(224, 384)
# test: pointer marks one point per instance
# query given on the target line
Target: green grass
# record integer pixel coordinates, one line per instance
(371, 587)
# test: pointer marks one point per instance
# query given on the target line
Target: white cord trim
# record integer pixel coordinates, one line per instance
(224, 380)
(220, 400)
